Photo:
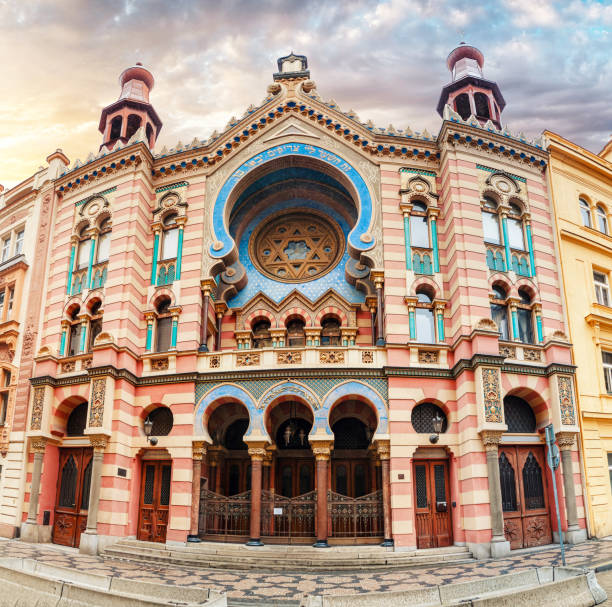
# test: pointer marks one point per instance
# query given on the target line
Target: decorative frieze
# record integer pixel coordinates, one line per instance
(492, 395)
(507, 351)
(37, 408)
(289, 358)
(160, 364)
(96, 410)
(331, 356)
(367, 357)
(566, 400)
(247, 360)
(532, 354)
(429, 356)
(86, 363)
(214, 362)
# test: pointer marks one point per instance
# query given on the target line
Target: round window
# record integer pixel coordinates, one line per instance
(296, 246)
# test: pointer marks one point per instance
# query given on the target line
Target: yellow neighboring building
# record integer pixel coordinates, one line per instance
(581, 189)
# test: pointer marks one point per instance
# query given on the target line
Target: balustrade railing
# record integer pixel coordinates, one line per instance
(422, 261)
(356, 517)
(99, 271)
(495, 258)
(288, 517)
(166, 272)
(79, 281)
(520, 263)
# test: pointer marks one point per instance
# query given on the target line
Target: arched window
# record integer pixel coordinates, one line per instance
(462, 106)
(519, 415)
(74, 337)
(525, 317)
(499, 312)
(84, 249)
(295, 332)
(424, 315)
(115, 132)
(516, 236)
(330, 331)
(163, 420)
(419, 227)
(481, 101)
(169, 247)
(77, 421)
(585, 213)
(422, 418)
(602, 219)
(261, 334)
(490, 221)
(104, 241)
(133, 124)
(95, 323)
(163, 333)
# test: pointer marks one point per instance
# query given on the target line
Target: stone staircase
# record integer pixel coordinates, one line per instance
(282, 558)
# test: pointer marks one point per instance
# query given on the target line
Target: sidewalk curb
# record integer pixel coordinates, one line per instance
(605, 566)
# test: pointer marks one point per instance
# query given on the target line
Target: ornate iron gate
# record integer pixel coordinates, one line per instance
(224, 517)
(288, 517)
(356, 517)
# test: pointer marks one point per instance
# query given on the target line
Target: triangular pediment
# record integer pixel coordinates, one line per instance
(292, 129)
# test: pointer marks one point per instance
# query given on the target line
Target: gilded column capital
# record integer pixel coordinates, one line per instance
(99, 442)
(208, 285)
(38, 444)
(321, 450)
(383, 449)
(491, 439)
(199, 449)
(566, 440)
(257, 453)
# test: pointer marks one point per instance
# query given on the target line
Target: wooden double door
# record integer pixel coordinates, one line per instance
(72, 501)
(154, 500)
(294, 476)
(432, 504)
(524, 488)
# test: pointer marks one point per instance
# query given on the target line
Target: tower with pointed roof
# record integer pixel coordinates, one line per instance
(469, 93)
(120, 120)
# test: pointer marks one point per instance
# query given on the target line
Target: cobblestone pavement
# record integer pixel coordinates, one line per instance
(270, 585)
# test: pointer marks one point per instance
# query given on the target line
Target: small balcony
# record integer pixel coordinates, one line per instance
(166, 272)
(422, 261)
(520, 263)
(495, 258)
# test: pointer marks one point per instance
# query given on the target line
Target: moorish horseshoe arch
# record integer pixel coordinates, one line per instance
(360, 240)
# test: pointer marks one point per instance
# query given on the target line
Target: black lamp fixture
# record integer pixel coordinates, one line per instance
(291, 426)
(436, 422)
(148, 427)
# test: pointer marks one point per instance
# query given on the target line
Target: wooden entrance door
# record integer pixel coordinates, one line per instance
(294, 476)
(154, 500)
(350, 477)
(432, 504)
(522, 473)
(72, 501)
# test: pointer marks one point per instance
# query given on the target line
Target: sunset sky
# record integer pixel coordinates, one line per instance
(60, 60)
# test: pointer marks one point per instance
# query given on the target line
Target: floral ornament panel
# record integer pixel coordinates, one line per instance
(566, 400)
(96, 412)
(492, 395)
(37, 408)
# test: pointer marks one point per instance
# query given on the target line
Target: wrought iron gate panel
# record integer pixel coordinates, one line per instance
(227, 516)
(296, 516)
(356, 517)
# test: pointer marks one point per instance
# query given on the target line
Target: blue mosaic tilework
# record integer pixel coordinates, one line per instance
(278, 290)
(293, 149)
(320, 393)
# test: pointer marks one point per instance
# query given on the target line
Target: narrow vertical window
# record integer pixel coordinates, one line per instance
(602, 290)
(490, 221)
(104, 241)
(164, 327)
(6, 248)
(424, 316)
(19, 242)
(525, 317)
(170, 238)
(516, 235)
(602, 220)
(419, 228)
(585, 213)
(9, 307)
(607, 367)
(75, 333)
(83, 253)
(499, 312)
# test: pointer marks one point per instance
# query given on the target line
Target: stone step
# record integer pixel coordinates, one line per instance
(243, 558)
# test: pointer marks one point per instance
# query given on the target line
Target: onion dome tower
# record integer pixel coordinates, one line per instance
(120, 120)
(469, 93)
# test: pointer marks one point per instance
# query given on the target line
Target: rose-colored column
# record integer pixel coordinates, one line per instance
(204, 323)
(380, 330)
(321, 452)
(384, 453)
(199, 450)
(257, 455)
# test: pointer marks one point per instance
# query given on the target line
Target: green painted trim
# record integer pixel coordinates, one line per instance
(71, 269)
(539, 327)
(165, 188)
(149, 336)
(173, 335)
(407, 242)
(418, 172)
(83, 337)
(434, 240)
(80, 202)
(63, 342)
(154, 264)
(412, 324)
(440, 326)
(179, 253)
(515, 328)
(92, 249)
(531, 255)
(483, 167)
(506, 243)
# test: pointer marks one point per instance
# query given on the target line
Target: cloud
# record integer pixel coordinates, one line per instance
(383, 59)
